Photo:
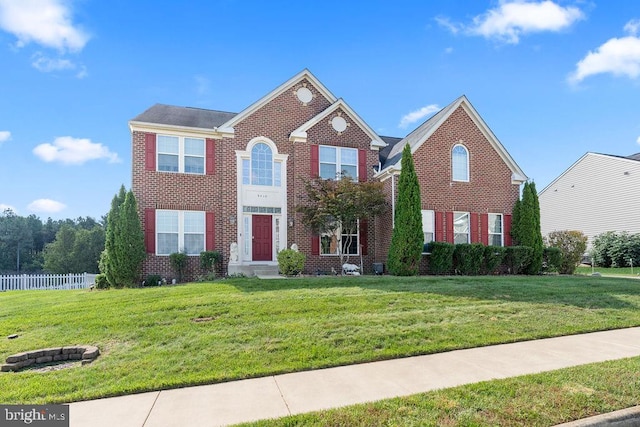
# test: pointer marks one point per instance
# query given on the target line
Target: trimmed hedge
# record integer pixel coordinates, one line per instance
(517, 258)
(493, 257)
(441, 260)
(468, 258)
(551, 260)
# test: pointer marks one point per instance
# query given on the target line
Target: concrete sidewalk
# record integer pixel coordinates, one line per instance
(287, 394)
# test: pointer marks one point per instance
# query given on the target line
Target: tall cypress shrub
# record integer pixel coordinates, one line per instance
(124, 241)
(106, 263)
(407, 238)
(528, 227)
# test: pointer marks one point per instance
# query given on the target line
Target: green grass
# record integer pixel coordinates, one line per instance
(543, 399)
(623, 271)
(149, 340)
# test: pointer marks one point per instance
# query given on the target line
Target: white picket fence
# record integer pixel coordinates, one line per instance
(25, 282)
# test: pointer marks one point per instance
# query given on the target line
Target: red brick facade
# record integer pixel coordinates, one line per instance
(489, 189)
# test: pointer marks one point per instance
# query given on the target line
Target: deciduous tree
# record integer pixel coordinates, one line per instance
(334, 207)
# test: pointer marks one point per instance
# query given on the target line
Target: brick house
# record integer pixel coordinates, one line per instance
(213, 180)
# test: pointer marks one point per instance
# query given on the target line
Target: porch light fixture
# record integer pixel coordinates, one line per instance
(291, 222)
(232, 219)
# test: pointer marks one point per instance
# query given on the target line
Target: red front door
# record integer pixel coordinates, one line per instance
(262, 238)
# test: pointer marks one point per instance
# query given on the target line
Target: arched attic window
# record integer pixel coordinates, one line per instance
(460, 163)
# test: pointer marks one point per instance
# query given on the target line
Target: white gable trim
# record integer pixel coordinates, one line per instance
(517, 176)
(300, 134)
(304, 74)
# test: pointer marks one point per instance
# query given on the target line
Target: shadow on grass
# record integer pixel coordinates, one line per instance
(579, 291)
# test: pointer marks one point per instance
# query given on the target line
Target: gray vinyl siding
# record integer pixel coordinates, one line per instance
(598, 193)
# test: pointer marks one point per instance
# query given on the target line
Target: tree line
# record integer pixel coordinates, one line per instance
(31, 245)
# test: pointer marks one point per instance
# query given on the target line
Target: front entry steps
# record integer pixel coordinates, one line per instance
(263, 271)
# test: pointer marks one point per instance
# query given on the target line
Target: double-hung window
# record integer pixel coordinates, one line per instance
(343, 240)
(460, 163)
(336, 162)
(495, 230)
(180, 231)
(461, 227)
(180, 154)
(428, 227)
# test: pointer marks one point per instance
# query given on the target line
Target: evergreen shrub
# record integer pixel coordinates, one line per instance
(290, 262)
(441, 259)
(468, 258)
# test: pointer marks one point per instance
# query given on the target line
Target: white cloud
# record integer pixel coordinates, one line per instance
(4, 207)
(414, 116)
(445, 22)
(511, 19)
(74, 151)
(638, 140)
(5, 136)
(620, 57)
(44, 22)
(632, 27)
(46, 206)
(47, 65)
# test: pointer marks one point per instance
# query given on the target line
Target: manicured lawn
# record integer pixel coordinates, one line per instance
(149, 339)
(543, 399)
(623, 271)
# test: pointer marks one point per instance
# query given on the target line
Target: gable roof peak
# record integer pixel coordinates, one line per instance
(302, 75)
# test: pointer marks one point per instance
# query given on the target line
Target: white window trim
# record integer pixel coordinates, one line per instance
(468, 226)
(339, 161)
(453, 178)
(356, 234)
(181, 232)
(425, 228)
(501, 234)
(275, 158)
(182, 155)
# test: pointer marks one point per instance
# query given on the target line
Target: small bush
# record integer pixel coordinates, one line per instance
(290, 262)
(178, 262)
(468, 258)
(493, 256)
(441, 259)
(517, 258)
(210, 262)
(153, 280)
(572, 244)
(102, 282)
(551, 260)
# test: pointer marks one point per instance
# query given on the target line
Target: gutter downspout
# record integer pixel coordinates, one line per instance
(393, 201)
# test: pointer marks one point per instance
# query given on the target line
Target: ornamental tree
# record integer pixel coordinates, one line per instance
(334, 207)
(407, 239)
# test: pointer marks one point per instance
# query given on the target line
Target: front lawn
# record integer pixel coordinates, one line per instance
(544, 399)
(621, 271)
(174, 336)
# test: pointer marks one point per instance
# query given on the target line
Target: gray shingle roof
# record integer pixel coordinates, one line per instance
(391, 141)
(184, 116)
(634, 156)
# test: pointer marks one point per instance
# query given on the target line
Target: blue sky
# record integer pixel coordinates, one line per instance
(553, 79)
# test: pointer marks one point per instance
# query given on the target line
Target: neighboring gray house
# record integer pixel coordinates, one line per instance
(598, 193)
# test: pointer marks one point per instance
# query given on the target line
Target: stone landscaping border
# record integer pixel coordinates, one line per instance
(84, 353)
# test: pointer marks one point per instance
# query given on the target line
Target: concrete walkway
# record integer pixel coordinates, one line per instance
(281, 395)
